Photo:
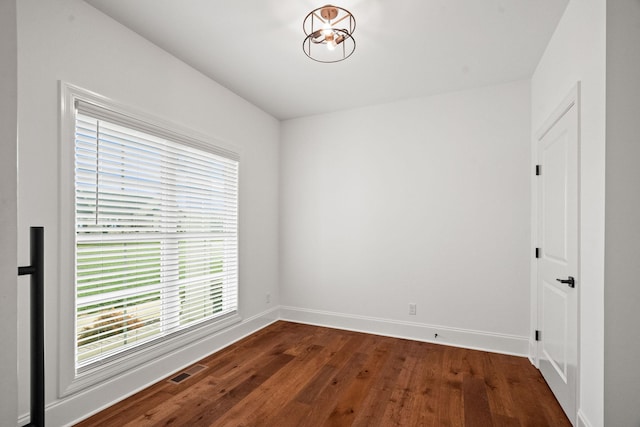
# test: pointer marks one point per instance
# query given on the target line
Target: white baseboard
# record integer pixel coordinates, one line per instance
(582, 420)
(476, 340)
(533, 354)
(81, 405)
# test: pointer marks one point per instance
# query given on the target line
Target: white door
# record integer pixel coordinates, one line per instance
(558, 254)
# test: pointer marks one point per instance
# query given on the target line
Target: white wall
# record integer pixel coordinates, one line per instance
(8, 210)
(622, 269)
(422, 201)
(576, 52)
(71, 41)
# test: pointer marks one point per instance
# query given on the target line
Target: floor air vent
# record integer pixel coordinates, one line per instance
(187, 373)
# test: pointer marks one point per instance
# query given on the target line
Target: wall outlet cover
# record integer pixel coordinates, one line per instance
(412, 309)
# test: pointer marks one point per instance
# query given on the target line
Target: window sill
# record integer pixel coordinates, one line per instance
(98, 374)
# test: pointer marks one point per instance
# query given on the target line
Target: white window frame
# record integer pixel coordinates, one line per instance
(72, 381)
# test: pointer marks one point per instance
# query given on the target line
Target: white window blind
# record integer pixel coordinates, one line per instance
(156, 234)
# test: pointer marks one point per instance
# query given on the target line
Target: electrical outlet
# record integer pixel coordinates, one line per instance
(412, 309)
(268, 298)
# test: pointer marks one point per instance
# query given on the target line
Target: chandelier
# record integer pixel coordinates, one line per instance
(329, 30)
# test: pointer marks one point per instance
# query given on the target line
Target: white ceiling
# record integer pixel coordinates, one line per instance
(405, 48)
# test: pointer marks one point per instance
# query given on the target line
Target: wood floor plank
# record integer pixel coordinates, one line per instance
(309, 380)
(336, 363)
(424, 384)
(450, 406)
(260, 404)
(505, 421)
(476, 403)
(350, 403)
(399, 407)
(376, 402)
(132, 409)
(210, 414)
(526, 385)
(170, 414)
(498, 389)
(322, 405)
(290, 374)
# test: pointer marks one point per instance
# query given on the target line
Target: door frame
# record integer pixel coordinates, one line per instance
(573, 98)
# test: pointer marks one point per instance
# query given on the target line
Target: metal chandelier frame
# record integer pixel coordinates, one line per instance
(329, 34)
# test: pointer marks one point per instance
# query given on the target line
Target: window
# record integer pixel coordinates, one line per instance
(156, 234)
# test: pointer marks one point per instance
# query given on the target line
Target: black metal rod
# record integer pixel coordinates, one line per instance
(25, 271)
(36, 270)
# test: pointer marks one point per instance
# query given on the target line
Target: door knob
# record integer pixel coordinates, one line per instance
(571, 282)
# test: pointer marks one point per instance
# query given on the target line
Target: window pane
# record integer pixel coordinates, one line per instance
(156, 236)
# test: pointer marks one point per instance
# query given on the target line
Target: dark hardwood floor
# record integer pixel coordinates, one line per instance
(290, 374)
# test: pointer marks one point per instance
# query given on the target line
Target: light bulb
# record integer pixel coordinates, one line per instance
(329, 37)
(326, 29)
(331, 45)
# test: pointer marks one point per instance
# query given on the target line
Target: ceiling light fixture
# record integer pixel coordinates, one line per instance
(329, 30)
